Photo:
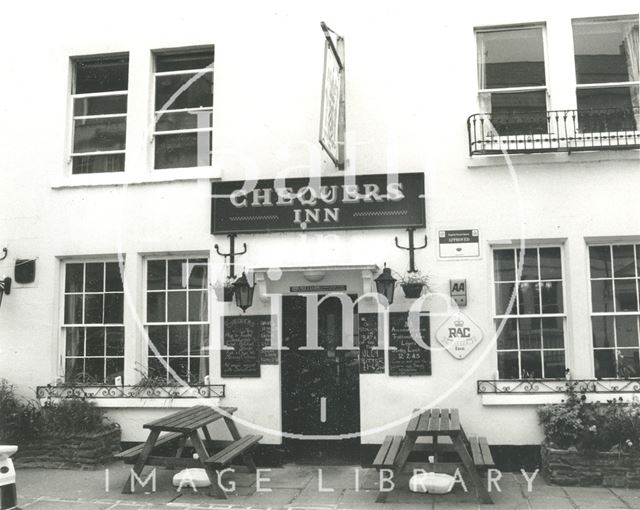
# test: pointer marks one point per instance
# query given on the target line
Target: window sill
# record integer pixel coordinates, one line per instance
(553, 158)
(149, 403)
(129, 179)
(547, 398)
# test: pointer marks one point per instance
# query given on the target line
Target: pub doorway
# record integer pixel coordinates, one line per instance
(320, 388)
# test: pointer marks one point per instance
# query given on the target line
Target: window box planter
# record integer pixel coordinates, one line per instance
(86, 450)
(595, 469)
(412, 290)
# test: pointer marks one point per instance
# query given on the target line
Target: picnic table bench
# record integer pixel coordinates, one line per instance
(473, 452)
(186, 424)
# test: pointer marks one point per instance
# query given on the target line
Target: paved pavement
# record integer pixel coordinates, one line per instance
(294, 487)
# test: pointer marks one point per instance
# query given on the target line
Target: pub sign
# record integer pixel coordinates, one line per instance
(322, 203)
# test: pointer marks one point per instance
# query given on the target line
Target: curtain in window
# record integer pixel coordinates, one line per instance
(484, 98)
(631, 47)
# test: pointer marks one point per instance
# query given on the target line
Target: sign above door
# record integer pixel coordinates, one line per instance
(326, 203)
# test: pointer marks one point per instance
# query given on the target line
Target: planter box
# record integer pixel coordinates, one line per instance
(82, 450)
(596, 469)
(412, 290)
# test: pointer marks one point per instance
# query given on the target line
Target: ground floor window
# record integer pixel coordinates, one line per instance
(529, 318)
(614, 273)
(93, 328)
(177, 319)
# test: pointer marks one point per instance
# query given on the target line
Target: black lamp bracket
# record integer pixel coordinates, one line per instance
(411, 249)
(232, 254)
(4, 250)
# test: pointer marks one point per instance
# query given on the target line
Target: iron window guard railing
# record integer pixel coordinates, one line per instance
(554, 131)
(538, 386)
(111, 391)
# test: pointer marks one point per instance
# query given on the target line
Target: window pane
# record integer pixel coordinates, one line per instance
(100, 134)
(156, 275)
(178, 343)
(198, 275)
(198, 306)
(155, 307)
(508, 365)
(529, 264)
(508, 338)
(180, 367)
(101, 105)
(607, 109)
(605, 363)
(170, 121)
(115, 368)
(94, 370)
(156, 369)
(73, 309)
(519, 113)
(177, 307)
(178, 62)
(626, 297)
(602, 295)
(74, 342)
(529, 298)
(531, 364)
(504, 266)
(199, 339)
(192, 91)
(95, 342)
(603, 331)
(605, 50)
(628, 364)
(504, 293)
(113, 280)
(177, 274)
(184, 150)
(74, 278)
(94, 278)
(550, 264)
(93, 308)
(98, 163)
(552, 332)
(623, 261)
(198, 369)
(74, 367)
(600, 261)
(511, 58)
(530, 333)
(552, 297)
(101, 75)
(113, 308)
(115, 341)
(554, 364)
(627, 331)
(158, 336)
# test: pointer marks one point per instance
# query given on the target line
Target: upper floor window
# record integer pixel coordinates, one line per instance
(99, 97)
(183, 108)
(512, 79)
(607, 73)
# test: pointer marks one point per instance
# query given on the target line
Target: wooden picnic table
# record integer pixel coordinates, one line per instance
(473, 452)
(186, 424)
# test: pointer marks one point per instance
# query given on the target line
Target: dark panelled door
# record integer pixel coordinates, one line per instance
(320, 388)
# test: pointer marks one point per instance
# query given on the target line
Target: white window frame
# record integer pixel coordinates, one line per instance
(614, 313)
(497, 319)
(186, 256)
(74, 96)
(156, 113)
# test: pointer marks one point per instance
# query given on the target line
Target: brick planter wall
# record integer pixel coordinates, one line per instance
(84, 451)
(606, 469)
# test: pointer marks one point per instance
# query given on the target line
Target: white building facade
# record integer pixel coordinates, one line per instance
(524, 125)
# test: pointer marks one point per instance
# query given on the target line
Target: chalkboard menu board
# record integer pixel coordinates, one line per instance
(371, 360)
(247, 334)
(408, 358)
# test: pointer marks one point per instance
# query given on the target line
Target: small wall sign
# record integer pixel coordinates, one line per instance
(459, 335)
(458, 244)
(458, 291)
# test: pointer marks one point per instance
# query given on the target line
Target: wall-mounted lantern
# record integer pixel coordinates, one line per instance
(243, 292)
(386, 284)
(5, 287)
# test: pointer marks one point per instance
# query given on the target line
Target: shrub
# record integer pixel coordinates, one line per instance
(73, 415)
(591, 426)
(20, 419)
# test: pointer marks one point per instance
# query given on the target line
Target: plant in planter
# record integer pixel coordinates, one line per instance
(224, 290)
(413, 283)
(591, 443)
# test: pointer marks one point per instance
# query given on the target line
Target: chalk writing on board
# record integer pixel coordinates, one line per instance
(408, 358)
(371, 360)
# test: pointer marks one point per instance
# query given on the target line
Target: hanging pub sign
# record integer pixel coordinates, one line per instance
(331, 118)
(326, 203)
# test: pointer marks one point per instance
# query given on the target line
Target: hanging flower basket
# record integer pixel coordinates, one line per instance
(224, 291)
(412, 290)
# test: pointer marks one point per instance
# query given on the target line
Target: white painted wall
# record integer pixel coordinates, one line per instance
(411, 84)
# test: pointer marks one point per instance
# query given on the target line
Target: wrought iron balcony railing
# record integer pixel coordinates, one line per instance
(536, 386)
(135, 391)
(554, 131)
